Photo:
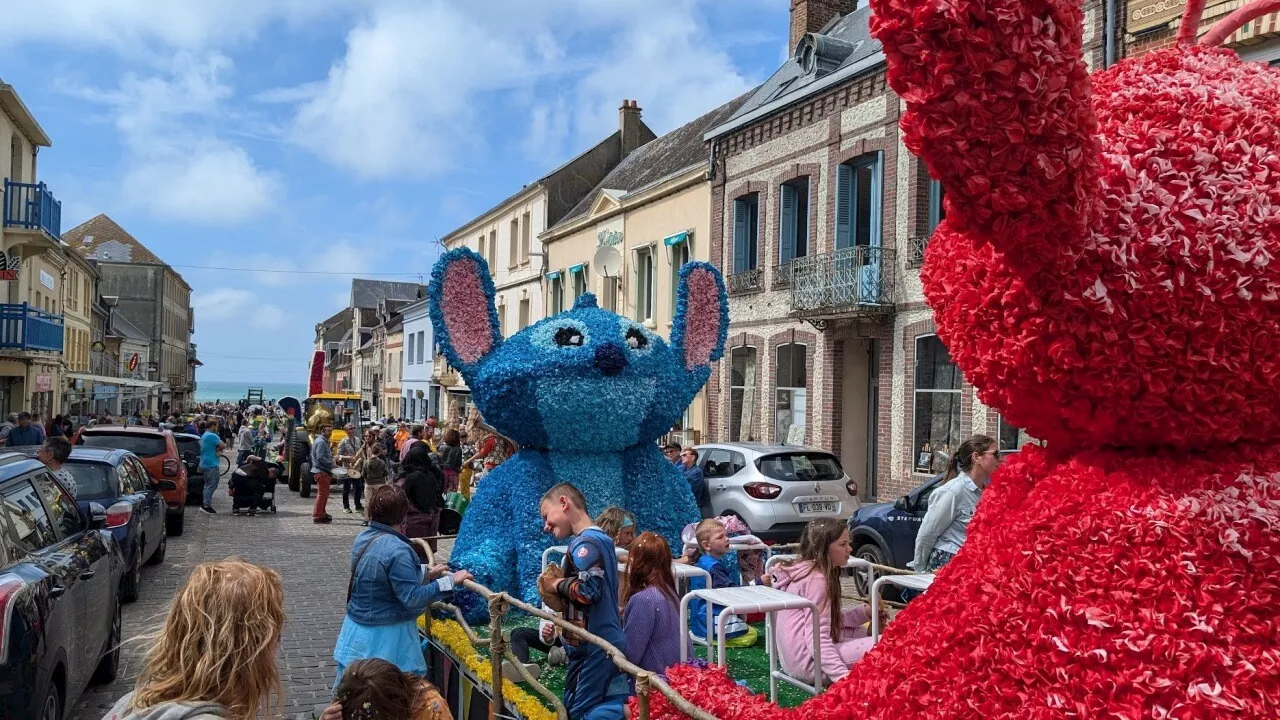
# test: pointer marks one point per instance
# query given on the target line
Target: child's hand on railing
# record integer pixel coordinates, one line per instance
(462, 576)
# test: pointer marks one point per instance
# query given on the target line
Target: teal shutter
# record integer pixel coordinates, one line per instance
(844, 206)
(787, 224)
(740, 236)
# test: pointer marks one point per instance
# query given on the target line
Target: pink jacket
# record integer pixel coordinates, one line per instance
(795, 627)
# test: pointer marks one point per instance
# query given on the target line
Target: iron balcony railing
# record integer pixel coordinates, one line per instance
(745, 281)
(856, 280)
(23, 327)
(915, 258)
(30, 206)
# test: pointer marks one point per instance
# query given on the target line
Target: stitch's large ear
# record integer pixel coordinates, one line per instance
(462, 311)
(702, 316)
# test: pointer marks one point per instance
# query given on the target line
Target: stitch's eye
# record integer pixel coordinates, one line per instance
(636, 339)
(569, 337)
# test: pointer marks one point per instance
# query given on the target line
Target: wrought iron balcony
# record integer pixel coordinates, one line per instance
(850, 281)
(23, 327)
(782, 276)
(30, 206)
(746, 281)
(916, 248)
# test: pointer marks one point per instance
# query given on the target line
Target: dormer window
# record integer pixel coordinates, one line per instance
(820, 55)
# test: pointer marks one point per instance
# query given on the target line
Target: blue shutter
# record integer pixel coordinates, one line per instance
(787, 224)
(740, 236)
(844, 206)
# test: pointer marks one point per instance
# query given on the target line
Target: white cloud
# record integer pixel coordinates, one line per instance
(178, 165)
(237, 307)
(419, 80)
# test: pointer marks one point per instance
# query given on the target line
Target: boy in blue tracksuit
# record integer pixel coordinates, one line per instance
(594, 688)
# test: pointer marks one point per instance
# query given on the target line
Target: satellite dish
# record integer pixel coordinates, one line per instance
(608, 261)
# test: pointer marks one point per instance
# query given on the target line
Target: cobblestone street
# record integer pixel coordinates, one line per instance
(313, 562)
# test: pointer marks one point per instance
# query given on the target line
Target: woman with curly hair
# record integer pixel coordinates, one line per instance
(215, 657)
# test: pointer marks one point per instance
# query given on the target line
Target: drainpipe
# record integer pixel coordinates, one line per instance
(1109, 35)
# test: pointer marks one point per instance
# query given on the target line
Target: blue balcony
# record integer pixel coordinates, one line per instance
(23, 327)
(30, 206)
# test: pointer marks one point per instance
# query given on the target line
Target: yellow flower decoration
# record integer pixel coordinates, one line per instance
(453, 637)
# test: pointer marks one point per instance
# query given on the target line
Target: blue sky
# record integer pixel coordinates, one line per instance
(343, 136)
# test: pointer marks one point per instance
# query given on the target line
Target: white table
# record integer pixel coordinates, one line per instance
(681, 571)
(747, 600)
(852, 563)
(919, 582)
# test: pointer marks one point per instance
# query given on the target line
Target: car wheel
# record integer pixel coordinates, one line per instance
(305, 488)
(871, 553)
(131, 583)
(51, 708)
(109, 665)
(157, 556)
(174, 522)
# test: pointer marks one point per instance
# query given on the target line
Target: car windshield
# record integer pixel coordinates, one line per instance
(188, 447)
(802, 466)
(94, 481)
(144, 446)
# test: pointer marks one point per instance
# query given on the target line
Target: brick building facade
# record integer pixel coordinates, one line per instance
(820, 217)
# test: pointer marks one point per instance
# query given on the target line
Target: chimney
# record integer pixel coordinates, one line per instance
(629, 126)
(810, 16)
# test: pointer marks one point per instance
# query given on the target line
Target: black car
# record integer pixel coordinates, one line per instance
(885, 533)
(189, 449)
(59, 594)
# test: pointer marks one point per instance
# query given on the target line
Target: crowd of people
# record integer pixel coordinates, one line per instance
(234, 610)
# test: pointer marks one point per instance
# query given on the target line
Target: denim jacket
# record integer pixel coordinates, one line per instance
(388, 587)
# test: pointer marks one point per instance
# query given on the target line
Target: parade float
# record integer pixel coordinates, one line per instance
(1105, 278)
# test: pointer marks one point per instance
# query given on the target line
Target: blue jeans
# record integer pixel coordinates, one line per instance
(211, 476)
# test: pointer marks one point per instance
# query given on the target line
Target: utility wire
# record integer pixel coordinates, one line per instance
(298, 272)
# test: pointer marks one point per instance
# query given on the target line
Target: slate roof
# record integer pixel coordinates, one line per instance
(790, 82)
(101, 238)
(663, 157)
(367, 293)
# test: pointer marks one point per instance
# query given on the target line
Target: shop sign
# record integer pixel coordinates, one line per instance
(609, 237)
(133, 362)
(46, 279)
(10, 265)
(1144, 14)
(44, 382)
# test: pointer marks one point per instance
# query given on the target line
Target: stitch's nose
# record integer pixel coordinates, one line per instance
(610, 360)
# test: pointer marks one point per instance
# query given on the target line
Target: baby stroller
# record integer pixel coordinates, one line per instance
(252, 486)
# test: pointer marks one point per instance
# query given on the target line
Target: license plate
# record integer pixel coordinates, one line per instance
(810, 508)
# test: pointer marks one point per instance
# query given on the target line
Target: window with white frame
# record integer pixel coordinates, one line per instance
(679, 256)
(791, 394)
(492, 256)
(858, 202)
(513, 247)
(410, 348)
(746, 233)
(524, 313)
(526, 235)
(742, 395)
(502, 320)
(422, 344)
(936, 424)
(644, 284)
(793, 220)
(580, 280)
(555, 292)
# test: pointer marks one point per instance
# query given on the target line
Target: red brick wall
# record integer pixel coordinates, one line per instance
(810, 16)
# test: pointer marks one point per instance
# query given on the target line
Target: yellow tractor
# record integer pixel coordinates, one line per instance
(336, 409)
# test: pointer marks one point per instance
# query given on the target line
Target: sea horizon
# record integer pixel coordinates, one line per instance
(235, 390)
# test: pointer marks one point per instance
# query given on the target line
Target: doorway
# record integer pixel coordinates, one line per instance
(859, 409)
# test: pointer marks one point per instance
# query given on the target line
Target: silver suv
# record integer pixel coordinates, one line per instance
(775, 489)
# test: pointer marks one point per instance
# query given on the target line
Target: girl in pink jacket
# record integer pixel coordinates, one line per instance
(824, 549)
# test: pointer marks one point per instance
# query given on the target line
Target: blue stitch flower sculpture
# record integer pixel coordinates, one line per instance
(586, 394)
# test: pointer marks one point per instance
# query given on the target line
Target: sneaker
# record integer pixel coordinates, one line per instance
(208, 510)
(322, 520)
(235, 511)
(509, 671)
(359, 509)
(556, 656)
(346, 510)
(253, 513)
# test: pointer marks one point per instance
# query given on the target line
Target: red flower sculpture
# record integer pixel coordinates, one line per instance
(1104, 277)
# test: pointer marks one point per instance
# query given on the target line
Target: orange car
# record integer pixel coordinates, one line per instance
(159, 454)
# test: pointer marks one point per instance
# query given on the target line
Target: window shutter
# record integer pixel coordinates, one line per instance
(740, 236)
(787, 224)
(844, 206)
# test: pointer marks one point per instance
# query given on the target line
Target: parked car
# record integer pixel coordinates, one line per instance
(189, 449)
(775, 489)
(158, 452)
(60, 571)
(885, 533)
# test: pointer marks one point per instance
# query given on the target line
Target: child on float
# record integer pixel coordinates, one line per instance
(585, 590)
(651, 618)
(618, 524)
(815, 575)
(375, 689)
(712, 554)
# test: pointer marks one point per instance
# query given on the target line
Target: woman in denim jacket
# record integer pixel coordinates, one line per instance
(389, 590)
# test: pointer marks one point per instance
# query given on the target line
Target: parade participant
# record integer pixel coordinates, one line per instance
(244, 443)
(651, 618)
(352, 485)
(451, 459)
(322, 469)
(375, 689)
(587, 591)
(815, 575)
(713, 554)
(210, 466)
(619, 525)
(388, 590)
(233, 612)
(424, 485)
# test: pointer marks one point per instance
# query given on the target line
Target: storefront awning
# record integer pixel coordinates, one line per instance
(106, 380)
(676, 239)
(577, 268)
